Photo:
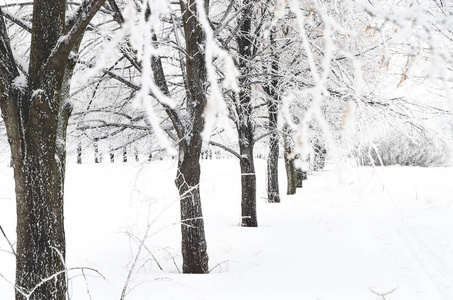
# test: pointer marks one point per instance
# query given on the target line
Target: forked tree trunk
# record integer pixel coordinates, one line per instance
(35, 116)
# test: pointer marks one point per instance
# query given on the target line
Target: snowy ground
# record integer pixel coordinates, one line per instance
(379, 230)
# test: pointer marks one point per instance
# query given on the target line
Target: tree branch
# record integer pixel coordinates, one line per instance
(263, 136)
(226, 149)
(8, 67)
(77, 25)
(18, 21)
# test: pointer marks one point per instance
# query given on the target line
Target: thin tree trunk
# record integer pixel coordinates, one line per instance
(273, 194)
(124, 154)
(96, 151)
(289, 163)
(79, 153)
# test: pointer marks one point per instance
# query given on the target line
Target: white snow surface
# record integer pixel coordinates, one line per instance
(384, 228)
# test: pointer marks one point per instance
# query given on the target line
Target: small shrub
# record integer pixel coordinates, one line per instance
(398, 148)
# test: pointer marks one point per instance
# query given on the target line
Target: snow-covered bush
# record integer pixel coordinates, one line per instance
(394, 147)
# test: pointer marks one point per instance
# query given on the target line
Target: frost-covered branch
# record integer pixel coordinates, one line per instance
(78, 24)
(18, 21)
(226, 149)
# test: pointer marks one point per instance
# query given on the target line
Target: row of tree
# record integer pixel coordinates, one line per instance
(188, 72)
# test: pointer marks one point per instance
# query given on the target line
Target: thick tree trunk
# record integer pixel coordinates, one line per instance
(35, 116)
(193, 244)
(40, 272)
(40, 230)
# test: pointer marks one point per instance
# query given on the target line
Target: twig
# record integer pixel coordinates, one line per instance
(155, 259)
(220, 264)
(11, 245)
(86, 281)
(173, 258)
(382, 295)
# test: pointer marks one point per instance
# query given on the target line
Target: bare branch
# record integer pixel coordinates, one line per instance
(226, 149)
(8, 67)
(10, 244)
(263, 136)
(18, 21)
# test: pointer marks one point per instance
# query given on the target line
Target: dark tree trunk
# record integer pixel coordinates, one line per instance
(35, 116)
(194, 246)
(112, 155)
(245, 126)
(248, 180)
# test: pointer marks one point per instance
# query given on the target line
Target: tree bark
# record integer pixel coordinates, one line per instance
(273, 194)
(248, 179)
(35, 117)
(289, 163)
(193, 244)
(245, 125)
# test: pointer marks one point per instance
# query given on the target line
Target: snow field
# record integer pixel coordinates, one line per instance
(382, 229)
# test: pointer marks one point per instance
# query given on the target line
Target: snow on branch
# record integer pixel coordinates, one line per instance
(216, 105)
(423, 26)
(320, 73)
(18, 21)
(77, 25)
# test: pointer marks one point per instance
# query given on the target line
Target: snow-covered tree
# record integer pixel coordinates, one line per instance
(35, 111)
